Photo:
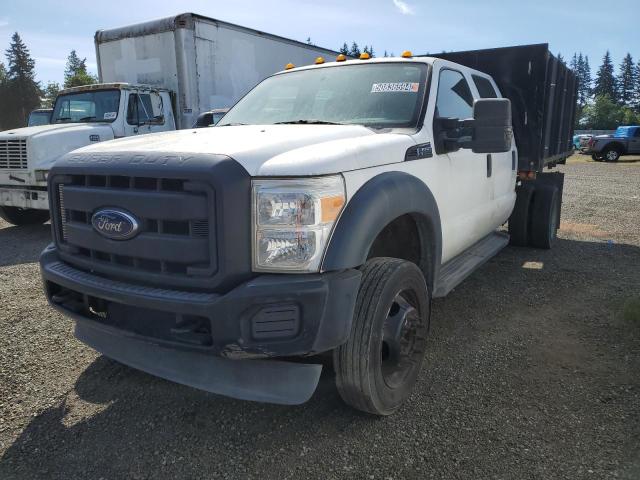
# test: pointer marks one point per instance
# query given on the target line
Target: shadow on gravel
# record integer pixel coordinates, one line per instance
(23, 244)
(530, 373)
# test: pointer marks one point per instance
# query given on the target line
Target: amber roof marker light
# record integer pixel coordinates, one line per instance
(319, 61)
(407, 54)
(341, 58)
(365, 56)
(289, 66)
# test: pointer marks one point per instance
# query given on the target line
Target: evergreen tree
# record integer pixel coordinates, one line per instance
(344, 49)
(50, 93)
(22, 90)
(309, 42)
(626, 81)
(605, 80)
(371, 52)
(636, 89)
(385, 54)
(587, 81)
(355, 50)
(3, 96)
(75, 73)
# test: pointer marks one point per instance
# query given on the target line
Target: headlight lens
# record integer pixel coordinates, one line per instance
(292, 221)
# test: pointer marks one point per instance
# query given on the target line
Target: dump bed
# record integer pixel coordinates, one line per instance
(542, 91)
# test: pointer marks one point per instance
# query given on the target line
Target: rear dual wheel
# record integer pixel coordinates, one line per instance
(536, 216)
(377, 367)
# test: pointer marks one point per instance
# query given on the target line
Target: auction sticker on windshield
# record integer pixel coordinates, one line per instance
(410, 87)
(110, 115)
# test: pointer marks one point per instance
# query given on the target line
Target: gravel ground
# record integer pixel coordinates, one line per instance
(532, 372)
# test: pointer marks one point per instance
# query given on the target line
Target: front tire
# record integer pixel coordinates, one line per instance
(377, 367)
(611, 155)
(24, 216)
(595, 157)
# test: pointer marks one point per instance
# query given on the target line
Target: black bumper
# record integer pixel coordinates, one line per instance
(175, 334)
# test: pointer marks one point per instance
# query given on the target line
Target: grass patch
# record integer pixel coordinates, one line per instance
(631, 310)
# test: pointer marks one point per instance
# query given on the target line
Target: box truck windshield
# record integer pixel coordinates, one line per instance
(374, 95)
(90, 106)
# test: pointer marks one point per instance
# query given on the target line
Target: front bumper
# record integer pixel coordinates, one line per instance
(223, 343)
(24, 197)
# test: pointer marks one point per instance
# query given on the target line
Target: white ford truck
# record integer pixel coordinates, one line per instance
(156, 76)
(322, 214)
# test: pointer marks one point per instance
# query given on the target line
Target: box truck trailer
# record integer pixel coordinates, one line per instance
(154, 76)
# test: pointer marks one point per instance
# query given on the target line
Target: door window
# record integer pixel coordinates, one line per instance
(485, 89)
(454, 96)
(145, 109)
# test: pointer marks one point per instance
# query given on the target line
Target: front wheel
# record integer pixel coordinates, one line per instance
(596, 157)
(377, 367)
(611, 155)
(24, 216)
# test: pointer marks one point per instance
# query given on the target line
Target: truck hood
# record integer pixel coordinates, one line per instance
(47, 143)
(269, 150)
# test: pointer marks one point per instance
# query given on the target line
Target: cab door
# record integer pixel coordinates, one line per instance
(634, 141)
(145, 113)
(470, 189)
(501, 167)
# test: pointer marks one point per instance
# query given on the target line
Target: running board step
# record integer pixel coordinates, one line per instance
(457, 269)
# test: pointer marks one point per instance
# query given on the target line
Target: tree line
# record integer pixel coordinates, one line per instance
(611, 99)
(20, 92)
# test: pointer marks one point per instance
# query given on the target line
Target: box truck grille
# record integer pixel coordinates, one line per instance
(13, 154)
(175, 240)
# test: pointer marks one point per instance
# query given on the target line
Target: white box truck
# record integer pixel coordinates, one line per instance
(155, 76)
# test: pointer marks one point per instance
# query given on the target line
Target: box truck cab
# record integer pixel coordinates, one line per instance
(81, 116)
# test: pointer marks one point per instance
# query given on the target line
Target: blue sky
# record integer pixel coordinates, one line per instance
(51, 29)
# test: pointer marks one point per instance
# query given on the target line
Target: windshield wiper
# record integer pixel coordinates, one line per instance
(307, 122)
(59, 119)
(86, 119)
(231, 124)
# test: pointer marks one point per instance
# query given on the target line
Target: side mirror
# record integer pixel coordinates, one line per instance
(492, 130)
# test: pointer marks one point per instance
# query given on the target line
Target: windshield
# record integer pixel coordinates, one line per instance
(91, 106)
(39, 118)
(375, 95)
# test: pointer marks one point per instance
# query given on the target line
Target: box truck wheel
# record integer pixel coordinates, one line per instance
(24, 216)
(379, 364)
(519, 219)
(545, 212)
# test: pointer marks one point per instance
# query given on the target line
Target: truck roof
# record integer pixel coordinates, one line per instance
(110, 86)
(187, 21)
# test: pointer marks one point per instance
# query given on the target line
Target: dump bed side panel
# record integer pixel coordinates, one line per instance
(542, 91)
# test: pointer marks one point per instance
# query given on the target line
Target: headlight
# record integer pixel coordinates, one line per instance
(42, 175)
(292, 221)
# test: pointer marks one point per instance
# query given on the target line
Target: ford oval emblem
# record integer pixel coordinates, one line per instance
(115, 224)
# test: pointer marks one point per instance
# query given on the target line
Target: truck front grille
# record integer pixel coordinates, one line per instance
(13, 154)
(175, 245)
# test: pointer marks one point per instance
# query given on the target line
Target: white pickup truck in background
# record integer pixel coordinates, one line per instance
(155, 76)
(322, 214)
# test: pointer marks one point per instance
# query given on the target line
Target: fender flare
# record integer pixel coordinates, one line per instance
(377, 203)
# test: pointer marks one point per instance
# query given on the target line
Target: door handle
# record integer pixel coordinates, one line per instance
(489, 165)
